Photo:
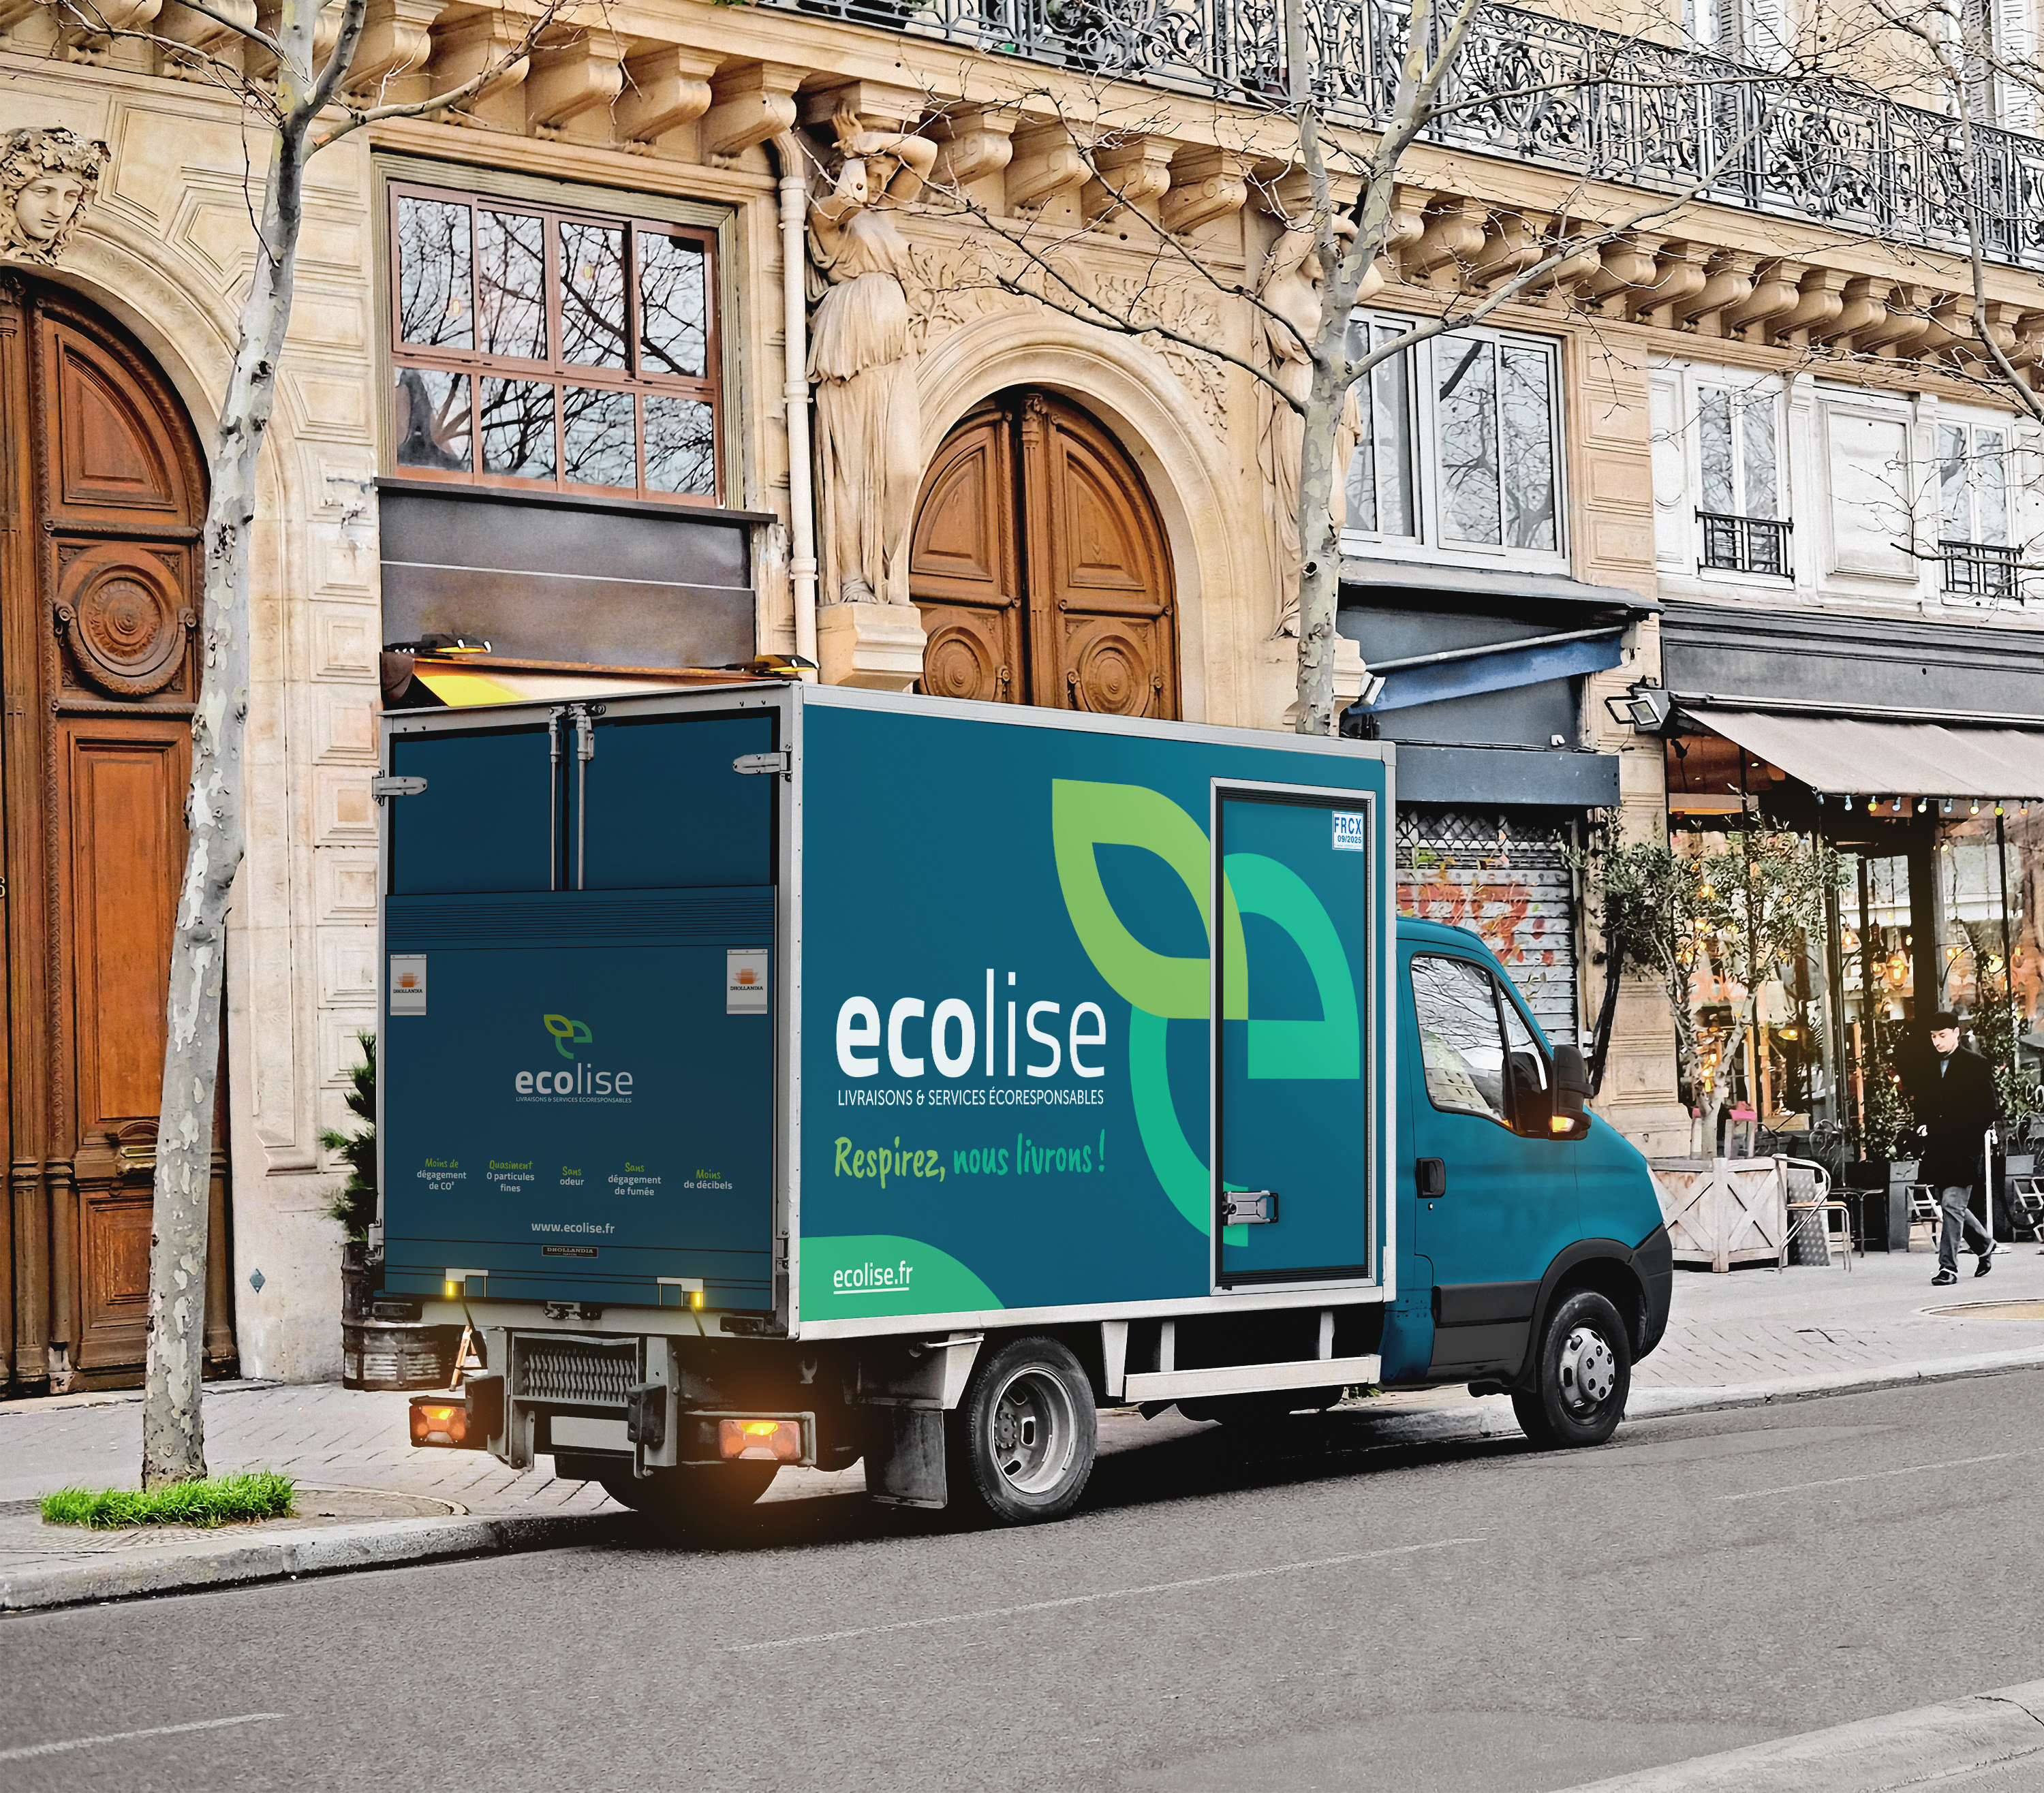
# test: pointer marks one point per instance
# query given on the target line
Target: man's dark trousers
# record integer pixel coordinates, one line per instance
(1957, 1104)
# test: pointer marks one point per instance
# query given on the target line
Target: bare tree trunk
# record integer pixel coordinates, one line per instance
(173, 1433)
(1320, 572)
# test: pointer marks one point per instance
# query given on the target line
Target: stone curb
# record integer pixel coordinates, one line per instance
(330, 1550)
(1904, 1749)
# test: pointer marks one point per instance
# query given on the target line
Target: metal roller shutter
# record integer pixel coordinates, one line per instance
(1506, 879)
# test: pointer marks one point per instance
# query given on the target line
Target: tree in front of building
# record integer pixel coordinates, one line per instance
(1336, 196)
(302, 103)
(1733, 915)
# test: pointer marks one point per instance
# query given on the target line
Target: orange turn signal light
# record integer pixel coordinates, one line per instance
(1561, 1123)
(760, 1440)
(444, 1423)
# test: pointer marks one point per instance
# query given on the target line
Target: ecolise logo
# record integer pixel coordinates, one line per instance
(566, 1034)
(583, 1080)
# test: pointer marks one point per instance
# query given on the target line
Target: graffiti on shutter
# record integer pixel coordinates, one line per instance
(1507, 882)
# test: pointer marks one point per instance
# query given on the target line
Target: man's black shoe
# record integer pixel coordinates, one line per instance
(1986, 1261)
(1943, 1277)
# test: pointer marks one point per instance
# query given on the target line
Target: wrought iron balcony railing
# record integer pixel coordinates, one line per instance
(1982, 571)
(1534, 88)
(1745, 544)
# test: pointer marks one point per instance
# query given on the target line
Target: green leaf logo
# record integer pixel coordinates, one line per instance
(1084, 816)
(1160, 988)
(567, 1034)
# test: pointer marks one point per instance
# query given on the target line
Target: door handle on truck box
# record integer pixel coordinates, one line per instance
(1248, 1207)
(1431, 1176)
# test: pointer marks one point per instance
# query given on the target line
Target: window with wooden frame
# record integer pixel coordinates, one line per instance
(540, 346)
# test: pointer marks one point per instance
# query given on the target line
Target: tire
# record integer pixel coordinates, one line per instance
(700, 1497)
(1022, 1442)
(1581, 1377)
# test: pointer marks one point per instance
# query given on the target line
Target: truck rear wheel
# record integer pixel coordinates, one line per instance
(1023, 1439)
(1581, 1377)
(698, 1496)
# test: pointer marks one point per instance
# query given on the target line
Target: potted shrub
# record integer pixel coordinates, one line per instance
(383, 1344)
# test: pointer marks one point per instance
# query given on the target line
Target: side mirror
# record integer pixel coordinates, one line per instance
(1572, 1084)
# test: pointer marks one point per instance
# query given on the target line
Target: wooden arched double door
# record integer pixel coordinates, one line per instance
(103, 491)
(1040, 567)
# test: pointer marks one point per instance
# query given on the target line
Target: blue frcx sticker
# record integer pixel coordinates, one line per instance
(1349, 832)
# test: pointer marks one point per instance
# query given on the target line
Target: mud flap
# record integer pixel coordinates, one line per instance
(904, 1465)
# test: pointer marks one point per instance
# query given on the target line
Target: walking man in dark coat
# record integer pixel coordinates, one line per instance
(1956, 1104)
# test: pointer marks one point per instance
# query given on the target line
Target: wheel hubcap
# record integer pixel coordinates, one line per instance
(1034, 1431)
(1589, 1370)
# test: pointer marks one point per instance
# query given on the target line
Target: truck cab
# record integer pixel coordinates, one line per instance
(1510, 1194)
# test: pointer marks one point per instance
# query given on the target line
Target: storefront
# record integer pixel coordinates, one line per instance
(1932, 809)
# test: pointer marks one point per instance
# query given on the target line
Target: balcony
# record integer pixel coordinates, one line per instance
(1745, 544)
(1530, 87)
(1982, 572)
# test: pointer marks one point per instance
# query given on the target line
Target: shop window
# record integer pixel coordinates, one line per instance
(1739, 466)
(1461, 446)
(1973, 500)
(532, 346)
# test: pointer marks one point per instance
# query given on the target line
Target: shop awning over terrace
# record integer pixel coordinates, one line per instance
(1851, 755)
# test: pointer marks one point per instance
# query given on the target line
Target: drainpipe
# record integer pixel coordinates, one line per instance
(795, 391)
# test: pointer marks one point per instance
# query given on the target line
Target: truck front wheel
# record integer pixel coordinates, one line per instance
(1023, 1439)
(697, 1496)
(1581, 1377)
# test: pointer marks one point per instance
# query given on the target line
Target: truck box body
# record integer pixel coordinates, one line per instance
(909, 1021)
(774, 1074)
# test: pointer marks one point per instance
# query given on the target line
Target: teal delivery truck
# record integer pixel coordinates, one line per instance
(774, 1074)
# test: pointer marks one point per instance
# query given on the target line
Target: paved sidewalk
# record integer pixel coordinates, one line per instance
(1750, 1336)
(1984, 1743)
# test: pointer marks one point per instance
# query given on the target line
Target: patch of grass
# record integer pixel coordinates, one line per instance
(219, 1500)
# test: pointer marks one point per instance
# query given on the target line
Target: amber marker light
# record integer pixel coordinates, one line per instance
(444, 1423)
(452, 1292)
(760, 1441)
(1561, 1123)
(695, 1295)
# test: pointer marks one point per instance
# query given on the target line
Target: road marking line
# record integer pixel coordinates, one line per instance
(27, 1750)
(1109, 1593)
(1878, 1475)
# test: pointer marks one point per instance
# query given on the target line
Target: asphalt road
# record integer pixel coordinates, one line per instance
(1291, 1610)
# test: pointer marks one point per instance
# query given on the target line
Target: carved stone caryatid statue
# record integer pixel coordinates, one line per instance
(1290, 289)
(862, 364)
(47, 178)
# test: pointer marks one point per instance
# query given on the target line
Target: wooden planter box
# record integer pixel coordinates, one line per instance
(1723, 1211)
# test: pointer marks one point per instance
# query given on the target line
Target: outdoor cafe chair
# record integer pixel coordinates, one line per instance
(1811, 1203)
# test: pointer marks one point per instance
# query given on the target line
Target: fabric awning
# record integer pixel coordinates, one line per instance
(1854, 757)
(1500, 665)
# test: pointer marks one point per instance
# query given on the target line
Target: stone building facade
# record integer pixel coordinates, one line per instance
(556, 379)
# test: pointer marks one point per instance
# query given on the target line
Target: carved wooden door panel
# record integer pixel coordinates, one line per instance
(1040, 567)
(963, 563)
(1100, 575)
(99, 599)
(121, 784)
